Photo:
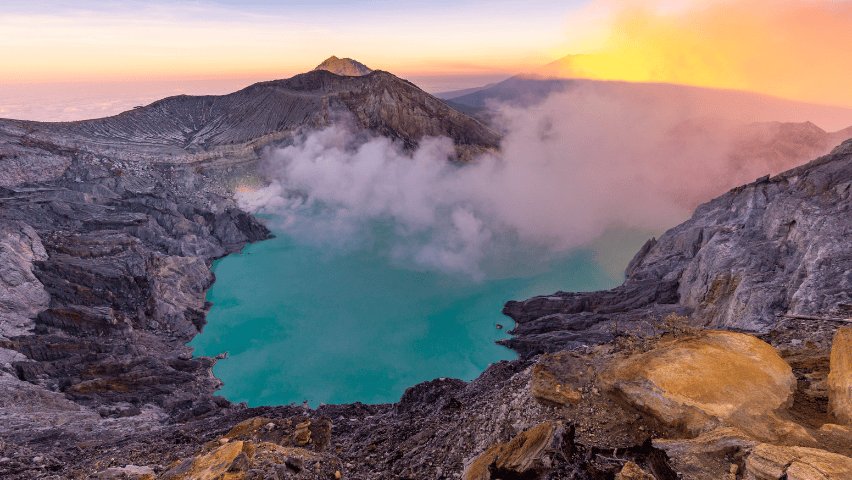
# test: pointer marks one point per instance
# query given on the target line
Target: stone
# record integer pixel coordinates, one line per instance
(247, 428)
(707, 456)
(302, 434)
(840, 376)
(238, 460)
(294, 431)
(772, 462)
(546, 387)
(840, 430)
(294, 463)
(128, 472)
(524, 456)
(716, 378)
(631, 471)
(210, 466)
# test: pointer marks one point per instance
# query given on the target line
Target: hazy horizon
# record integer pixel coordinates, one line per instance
(73, 60)
(82, 100)
(71, 101)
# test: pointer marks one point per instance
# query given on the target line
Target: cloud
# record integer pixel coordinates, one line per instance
(570, 168)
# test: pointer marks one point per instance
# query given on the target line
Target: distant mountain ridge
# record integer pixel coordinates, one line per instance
(524, 90)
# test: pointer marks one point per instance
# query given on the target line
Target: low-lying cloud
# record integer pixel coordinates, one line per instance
(569, 168)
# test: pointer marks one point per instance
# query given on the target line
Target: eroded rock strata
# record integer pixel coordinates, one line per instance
(105, 261)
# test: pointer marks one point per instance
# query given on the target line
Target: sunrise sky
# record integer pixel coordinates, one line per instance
(85, 40)
(790, 48)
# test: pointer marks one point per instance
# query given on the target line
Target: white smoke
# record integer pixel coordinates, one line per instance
(569, 169)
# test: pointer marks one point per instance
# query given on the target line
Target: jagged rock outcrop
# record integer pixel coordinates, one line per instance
(527, 455)
(262, 448)
(241, 460)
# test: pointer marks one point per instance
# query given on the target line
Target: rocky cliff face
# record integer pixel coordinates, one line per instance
(104, 263)
(103, 280)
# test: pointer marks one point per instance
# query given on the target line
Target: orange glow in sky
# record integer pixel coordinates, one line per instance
(205, 39)
(798, 49)
(795, 49)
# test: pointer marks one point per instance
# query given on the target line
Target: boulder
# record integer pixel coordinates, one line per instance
(772, 462)
(527, 455)
(545, 387)
(717, 378)
(631, 471)
(840, 376)
(296, 431)
(709, 455)
(238, 460)
(212, 465)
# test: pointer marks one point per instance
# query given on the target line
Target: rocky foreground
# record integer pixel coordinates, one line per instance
(726, 354)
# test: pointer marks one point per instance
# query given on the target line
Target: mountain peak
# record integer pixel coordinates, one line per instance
(344, 66)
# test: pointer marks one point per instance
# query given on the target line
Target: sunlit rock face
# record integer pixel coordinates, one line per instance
(715, 379)
(771, 461)
(344, 66)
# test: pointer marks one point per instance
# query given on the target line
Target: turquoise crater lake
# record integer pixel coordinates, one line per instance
(300, 322)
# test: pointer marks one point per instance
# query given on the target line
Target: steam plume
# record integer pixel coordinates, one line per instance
(570, 168)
